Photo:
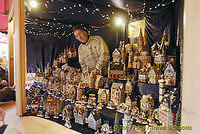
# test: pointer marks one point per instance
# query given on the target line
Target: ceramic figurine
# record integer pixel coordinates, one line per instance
(117, 93)
(103, 95)
(94, 120)
(146, 103)
(79, 114)
(154, 75)
(111, 105)
(170, 75)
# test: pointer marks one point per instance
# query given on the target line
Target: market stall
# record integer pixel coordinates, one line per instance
(140, 84)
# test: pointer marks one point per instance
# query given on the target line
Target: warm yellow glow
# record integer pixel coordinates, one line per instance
(33, 4)
(119, 21)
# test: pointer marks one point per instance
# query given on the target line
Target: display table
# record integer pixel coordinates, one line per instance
(31, 124)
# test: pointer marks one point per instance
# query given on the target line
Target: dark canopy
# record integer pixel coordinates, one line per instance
(49, 27)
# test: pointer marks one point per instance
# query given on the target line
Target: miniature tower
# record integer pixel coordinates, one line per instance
(79, 93)
(123, 54)
(161, 88)
(126, 121)
(130, 59)
(146, 45)
(140, 42)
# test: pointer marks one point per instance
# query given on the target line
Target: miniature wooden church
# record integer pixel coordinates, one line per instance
(143, 75)
(130, 101)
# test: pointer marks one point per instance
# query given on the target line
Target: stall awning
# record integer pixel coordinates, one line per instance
(4, 11)
(3, 38)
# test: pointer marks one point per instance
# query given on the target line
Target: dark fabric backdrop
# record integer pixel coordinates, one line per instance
(42, 50)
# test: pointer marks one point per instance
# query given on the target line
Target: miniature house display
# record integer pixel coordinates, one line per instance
(94, 120)
(65, 89)
(111, 105)
(79, 114)
(91, 100)
(143, 75)
(67, 115)
(154, 75)
(116, 69)
(146, 103)
(129, 87)
(116, 56)
(117, 93)
(52, 107)
(159, 51)
(166, 116)
(103, 95)
(130, 101)
(136, 62)
(170, 75)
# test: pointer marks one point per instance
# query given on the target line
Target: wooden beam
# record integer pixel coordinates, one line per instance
(20, 54)
(11, 14)
(11, 54)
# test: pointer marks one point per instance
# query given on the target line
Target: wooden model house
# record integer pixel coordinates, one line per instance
(130, 101)
(117, 93)
(129, 87)
(166, 116)
(147, 103)
(170, 75)
(91, 100)
(70, 91)
(99, 82)
(154, 75)
(136, 62)
(94, 120)
(116, 71)
(103, 96)
(143, 75)
(67, 112)
(79, 114)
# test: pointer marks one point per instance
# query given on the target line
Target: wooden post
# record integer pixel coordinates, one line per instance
(20, 54)
(11, 54)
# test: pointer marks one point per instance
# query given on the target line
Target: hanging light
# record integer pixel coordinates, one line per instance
(118, 21)
(33, 4)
